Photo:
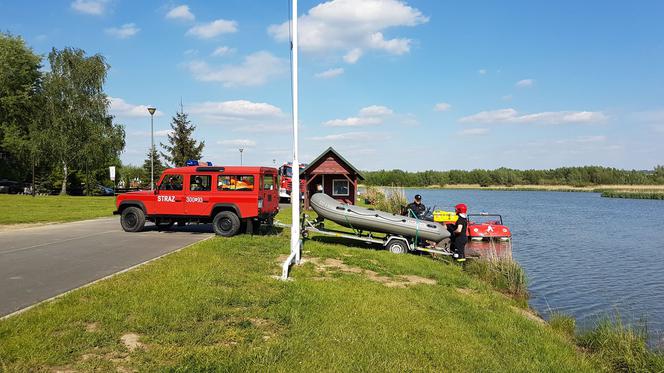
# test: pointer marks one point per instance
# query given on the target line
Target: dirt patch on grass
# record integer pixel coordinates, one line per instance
(91, 327)
(528, 314)
(130, 340)
(63, 370)
(400, 281)
(465, 291)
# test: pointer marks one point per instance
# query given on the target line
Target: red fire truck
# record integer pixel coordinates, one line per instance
(231, 198)
(286, 181)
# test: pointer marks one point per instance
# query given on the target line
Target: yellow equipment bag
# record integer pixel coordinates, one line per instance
(444, 216)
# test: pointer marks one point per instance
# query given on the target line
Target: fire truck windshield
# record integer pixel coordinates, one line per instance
(288, 171)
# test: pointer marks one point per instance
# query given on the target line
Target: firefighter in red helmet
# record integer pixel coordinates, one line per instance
(460, 233)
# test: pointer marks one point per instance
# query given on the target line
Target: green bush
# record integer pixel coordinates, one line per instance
(621, 348)
(374, 195)
(394, 201)
(562, 323)
(506, 275)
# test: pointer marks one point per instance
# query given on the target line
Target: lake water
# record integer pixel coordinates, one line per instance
(584, 255)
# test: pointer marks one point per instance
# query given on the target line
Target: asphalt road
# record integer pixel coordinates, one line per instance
(41, 262)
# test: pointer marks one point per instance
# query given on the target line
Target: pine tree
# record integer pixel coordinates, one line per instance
(159, 166)
(182, 146)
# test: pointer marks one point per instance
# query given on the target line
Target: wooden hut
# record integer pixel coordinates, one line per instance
(333, 175)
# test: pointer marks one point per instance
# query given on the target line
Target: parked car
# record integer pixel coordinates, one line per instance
(10, 187)
(231, 198)
(106, 191)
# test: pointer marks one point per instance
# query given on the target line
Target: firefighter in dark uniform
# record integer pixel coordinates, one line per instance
(460, 233)
(416, 208)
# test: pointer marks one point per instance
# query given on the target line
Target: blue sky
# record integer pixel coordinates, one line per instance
(390, 84)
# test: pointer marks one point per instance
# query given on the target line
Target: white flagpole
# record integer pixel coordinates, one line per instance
(295, 245)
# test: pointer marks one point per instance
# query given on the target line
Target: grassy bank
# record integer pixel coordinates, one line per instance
(609, 191)
(634, 194)
(216, 306)
(20, 209)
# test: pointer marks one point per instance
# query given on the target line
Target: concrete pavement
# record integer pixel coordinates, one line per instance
(41, 262)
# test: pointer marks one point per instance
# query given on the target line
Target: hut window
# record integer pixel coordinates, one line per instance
(340, 188)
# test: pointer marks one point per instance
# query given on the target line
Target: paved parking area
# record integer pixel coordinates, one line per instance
(41, 262)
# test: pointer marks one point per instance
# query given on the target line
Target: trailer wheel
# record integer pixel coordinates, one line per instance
(397, 247)
(133, 219)
(226, 224)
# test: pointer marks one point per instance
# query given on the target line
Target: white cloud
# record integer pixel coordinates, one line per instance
(442, 106)
(396, 46)
(122, 109)
(330, 73)
(181, 12)
(410, 120)
(213, 29)
(375, 111)
(94, 7)
(548, 117)
(159, 133)
(123, 32)
(353, 55)
(370, 115)
(262, 128)
(256, 69)
(223, 51)
(351, 136)
(481, 71)
(353, 122)
(507, 98)
(525, 83)
(473, 132)
(583, 140)
(650, 116)
(237, 109)
(162, 133)
(246, 143)
(353, 26)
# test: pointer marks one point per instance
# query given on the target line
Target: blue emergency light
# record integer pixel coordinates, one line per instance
(192, 162)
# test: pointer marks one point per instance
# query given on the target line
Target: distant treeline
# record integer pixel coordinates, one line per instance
(574, 176)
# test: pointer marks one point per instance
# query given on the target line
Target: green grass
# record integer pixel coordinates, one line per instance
(634, 194)
(562, 323)
(621, 348)
(18, 209)
(216, 306)
(506, 275)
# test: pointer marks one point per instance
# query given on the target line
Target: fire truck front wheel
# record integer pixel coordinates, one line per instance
(226, 223)
(133, 219)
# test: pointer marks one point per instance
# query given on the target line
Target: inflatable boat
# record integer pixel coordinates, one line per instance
(360, 218)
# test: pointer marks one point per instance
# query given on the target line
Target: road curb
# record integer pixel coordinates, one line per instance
(55, 297)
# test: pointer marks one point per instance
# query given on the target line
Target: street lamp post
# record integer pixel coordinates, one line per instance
(151, 110)
(241, 150)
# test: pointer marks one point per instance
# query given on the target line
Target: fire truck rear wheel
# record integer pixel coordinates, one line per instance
(226, 223)
(133, 219)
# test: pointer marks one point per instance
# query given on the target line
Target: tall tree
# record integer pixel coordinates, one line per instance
(76, 108)
(20, 88)
(181, 145)
(159, 166)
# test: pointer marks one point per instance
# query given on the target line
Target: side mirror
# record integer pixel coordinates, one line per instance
(156, 189)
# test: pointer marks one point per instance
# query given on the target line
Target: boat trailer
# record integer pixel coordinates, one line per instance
(393, 243)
